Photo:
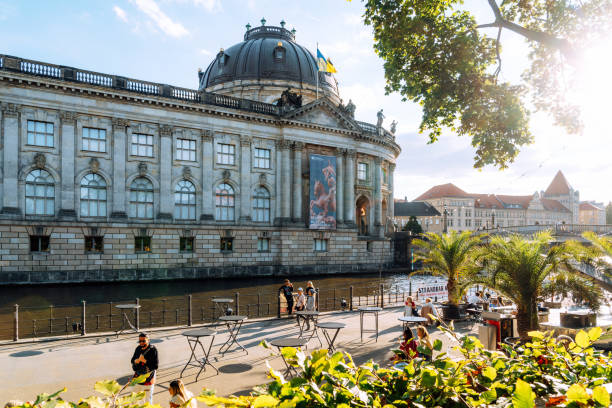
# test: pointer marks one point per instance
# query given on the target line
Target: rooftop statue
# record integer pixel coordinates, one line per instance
(393, 127)
(381, 117)
(289, 100)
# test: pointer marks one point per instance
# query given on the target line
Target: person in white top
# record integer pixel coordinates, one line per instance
(410, 307)
(181, 395)
(301, 300)
(475, 299)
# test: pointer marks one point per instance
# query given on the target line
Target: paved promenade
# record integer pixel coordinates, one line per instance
(28, 369)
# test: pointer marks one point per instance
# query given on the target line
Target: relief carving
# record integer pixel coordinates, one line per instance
(226, 175)
(40, 161)
(187, 172)
(262, 178)
(142, 168)
(94, 165)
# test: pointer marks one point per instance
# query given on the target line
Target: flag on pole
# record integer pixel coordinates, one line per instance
(325, 64)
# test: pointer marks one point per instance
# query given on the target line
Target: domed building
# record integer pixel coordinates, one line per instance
(261, 170)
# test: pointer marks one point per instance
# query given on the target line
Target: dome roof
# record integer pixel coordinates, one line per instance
(267, 53)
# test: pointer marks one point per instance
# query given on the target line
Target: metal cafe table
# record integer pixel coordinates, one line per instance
(306, 316)
(220, 306)
(325, 327)
(288, 342)
(125, 319)
(193, 338)
(233, 323)
(368, 310)
(407, 320)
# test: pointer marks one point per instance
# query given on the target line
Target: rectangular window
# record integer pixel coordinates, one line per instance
(185, 149)
(39, 243)
(142, 244)
(94, 244)
(263, 244)
(468, 223)
(320, 245)
(227, 244)
(369, 246)
(362, 171)
(262, 158)
(142, 145)
(186, 244)
(40, 133)
(94, 140)
(226, 154)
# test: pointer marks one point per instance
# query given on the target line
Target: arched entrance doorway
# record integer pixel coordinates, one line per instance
(363, 215)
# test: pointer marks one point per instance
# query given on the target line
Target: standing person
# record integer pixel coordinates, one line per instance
(181, 395)
(301, 300)
(287, 291)
(424, 341)
(145, 361)
(310, 296)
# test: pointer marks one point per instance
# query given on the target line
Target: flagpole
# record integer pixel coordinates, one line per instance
(317, 61)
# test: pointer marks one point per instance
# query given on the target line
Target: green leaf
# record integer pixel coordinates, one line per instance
(428, 378)
(582, 339)
(107, 387)
(523, 396)
(577, 392)
(601, 396)
(437, 345)
(265, 401)
(94, 402)
(132, 398)
(489, 396)
(536, 334)
(140, 379)
(595, 333)
(490, 373)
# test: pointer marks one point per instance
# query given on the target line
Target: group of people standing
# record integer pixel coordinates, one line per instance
(302, 300)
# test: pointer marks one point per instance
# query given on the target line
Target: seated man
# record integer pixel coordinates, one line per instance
(428, 309)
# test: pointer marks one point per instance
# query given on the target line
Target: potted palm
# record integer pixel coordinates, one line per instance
(525, 269)
(450, 256)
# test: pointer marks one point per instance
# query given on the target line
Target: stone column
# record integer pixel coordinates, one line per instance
(166, 198)
(391, 189)
(277, 181)
(378, 216)
(245, 182)
(297, 181)
(67, 184)
(119, 159)
(10, 165)
(207, 171)
(340, 186)
(349, 188)
(285, 183)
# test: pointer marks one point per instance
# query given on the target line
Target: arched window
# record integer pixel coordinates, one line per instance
(40, 193)
(261, 205)
(224, 202)
(141, 198)
(185, 201)
(93, 196)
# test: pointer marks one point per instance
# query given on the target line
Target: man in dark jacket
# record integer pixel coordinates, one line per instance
(145, 361)
(287, 291)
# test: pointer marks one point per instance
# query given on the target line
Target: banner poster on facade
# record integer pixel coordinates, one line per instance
(436, 292)
(322, 192)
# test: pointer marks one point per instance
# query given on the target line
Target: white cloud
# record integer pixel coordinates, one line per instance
(205, 52)
(165, 23)
(120, 13)
(209, 5)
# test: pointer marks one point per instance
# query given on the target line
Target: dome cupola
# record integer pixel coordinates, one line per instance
(267, 62)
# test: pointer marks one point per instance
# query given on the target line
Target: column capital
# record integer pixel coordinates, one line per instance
(165, 130)
(282, 144)
(392, 166)
(68, 117)
(245, 141)
(206, 135)
(10, 109)
(378, 160)
(120, 123)
(297, 146)
(341, 151)
(351, 153)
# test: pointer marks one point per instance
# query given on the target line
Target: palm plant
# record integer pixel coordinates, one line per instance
(599, 253)
(449, 255)
(526, 269)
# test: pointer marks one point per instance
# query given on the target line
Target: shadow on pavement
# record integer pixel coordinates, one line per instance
(235, 368)
(27, 353)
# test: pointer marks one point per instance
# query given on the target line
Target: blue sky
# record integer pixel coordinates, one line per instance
(167, 40)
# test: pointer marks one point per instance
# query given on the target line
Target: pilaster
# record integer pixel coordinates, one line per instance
(245, 182)
(285, 182)
(166, 198)
(67, 184)
(378, 216)
(277, 182)
(119, 158)
(207, 170)
(10, 163)
(391, 191)
(340, 186)
(349, 189)
(297, 181)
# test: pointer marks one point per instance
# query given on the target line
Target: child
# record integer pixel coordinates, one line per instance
(408, 346)
(410, 307)
(180, 395)
(424, 341)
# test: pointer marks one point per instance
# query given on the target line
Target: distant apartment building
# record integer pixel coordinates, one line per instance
(425, 213)
(592, 213)
(558, 204)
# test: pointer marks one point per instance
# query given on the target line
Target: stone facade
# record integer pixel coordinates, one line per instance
(157, 140)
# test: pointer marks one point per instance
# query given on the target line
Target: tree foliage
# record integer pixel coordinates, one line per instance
(541, 372)
(413, 225)
(436, 54)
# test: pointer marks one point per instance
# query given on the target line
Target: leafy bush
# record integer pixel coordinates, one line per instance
(538, 373)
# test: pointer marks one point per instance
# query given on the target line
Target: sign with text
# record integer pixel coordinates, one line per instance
(322, 192)
(435, 291)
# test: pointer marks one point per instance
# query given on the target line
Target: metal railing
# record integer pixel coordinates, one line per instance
(556, 229)
(21, 322)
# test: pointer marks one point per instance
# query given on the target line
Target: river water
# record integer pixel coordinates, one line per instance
(52, 309)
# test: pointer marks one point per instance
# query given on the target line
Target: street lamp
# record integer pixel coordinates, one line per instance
(493, 218)
(445, 213)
